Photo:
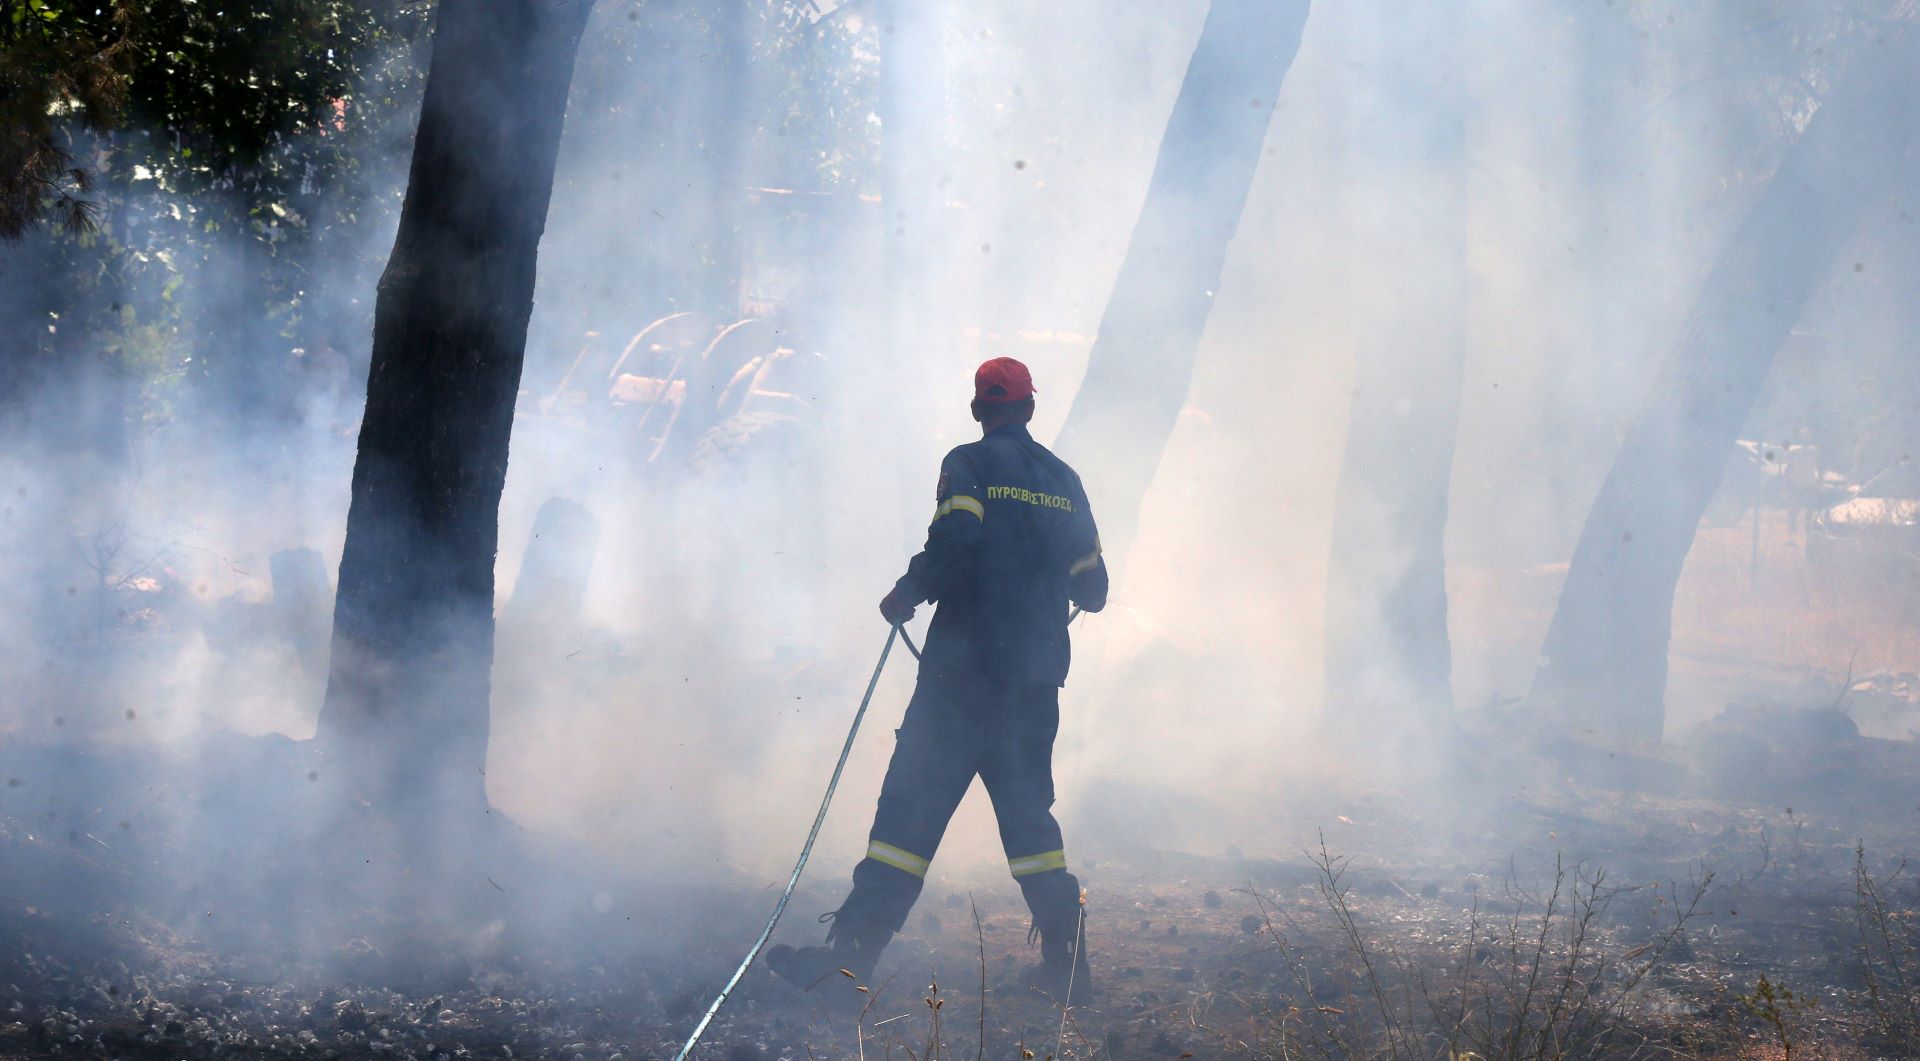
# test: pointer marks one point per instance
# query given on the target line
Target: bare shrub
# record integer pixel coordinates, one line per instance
(1887, 955)
(1548, 976)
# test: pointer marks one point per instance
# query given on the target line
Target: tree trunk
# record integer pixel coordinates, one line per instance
(1604, 664)
(554, 574)
(1388, 659)
(406, 709)
(1142, 361)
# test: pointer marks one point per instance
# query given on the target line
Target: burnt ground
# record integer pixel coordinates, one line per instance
(1570, 920)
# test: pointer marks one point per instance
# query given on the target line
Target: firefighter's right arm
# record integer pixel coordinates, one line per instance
(952, 539)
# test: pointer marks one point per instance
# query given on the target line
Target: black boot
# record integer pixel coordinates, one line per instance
(1063, 973)
(853, 946)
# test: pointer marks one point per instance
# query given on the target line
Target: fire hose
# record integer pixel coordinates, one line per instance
(806, 849)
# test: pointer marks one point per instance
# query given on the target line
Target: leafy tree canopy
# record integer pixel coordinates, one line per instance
(220, 89)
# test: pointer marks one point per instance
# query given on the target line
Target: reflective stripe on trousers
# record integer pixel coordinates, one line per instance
(1028, 865)
(897, 857)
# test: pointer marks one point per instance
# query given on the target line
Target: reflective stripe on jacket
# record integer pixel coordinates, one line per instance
(1012, 543)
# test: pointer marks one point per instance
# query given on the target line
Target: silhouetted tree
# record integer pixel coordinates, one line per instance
(1388, 658)
(1142, 361)
(1604, 663)
(406, 714)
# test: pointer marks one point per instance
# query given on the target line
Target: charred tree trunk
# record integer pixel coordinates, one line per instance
(407, 694)
(1388, 659)
(555, 572)
(1142, 361)
(1604, 664)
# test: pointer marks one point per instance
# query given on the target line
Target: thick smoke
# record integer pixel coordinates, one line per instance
(675, 723)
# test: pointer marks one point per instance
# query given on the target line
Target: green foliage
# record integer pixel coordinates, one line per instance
(679, 110)
(793, 85)
(226, 87)
(828, 66)
(229, 166)
(1775, 1007)
(59, 64)
(234, 170)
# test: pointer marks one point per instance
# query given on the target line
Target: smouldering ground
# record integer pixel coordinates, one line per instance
(1717, 930)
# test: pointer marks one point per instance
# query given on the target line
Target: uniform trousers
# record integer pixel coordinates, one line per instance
(957, 726)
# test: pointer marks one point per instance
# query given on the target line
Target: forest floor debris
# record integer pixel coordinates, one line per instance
(1599, 924)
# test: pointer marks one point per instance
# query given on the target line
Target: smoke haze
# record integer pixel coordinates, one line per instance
(673, 728)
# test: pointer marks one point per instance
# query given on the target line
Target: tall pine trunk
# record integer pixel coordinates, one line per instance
(1388, 658)
(1142, 360)
(405, 718)
(1604, 663)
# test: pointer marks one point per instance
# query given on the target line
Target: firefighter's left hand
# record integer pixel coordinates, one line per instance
(895, 608)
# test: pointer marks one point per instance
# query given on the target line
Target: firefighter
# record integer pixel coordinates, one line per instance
(1011, 544)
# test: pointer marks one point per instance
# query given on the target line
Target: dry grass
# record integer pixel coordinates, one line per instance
(1532, 976)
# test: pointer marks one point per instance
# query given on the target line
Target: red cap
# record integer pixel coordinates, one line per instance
(1002, 380)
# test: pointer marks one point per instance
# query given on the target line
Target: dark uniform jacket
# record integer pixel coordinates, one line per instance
(1012, 542)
